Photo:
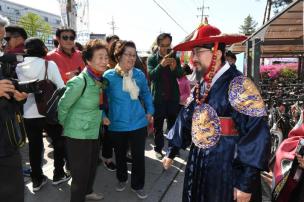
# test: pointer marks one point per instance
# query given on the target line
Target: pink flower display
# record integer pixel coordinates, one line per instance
(273, 71)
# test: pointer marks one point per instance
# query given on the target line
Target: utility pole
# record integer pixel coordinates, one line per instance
(203, 8)
(113, 25)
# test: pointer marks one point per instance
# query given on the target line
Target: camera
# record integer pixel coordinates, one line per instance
(31, 86)
(8, 64)
(170, 53)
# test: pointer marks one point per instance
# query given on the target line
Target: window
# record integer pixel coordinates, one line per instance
(46, 19)
(0, 8)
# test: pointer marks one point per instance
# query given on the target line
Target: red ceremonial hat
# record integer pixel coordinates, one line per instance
(207, 34)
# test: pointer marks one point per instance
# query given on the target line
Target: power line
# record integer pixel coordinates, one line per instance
(170, 16)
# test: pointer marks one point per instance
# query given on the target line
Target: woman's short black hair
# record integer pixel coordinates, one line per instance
(92, 46)
(121, 47)
(35, 47)
(162, 36)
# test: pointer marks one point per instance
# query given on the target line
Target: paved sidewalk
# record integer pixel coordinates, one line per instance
(165, 186)
(157, 183)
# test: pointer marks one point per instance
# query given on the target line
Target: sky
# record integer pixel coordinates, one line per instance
(142, 20)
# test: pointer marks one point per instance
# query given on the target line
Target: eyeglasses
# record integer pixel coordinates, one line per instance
(195, 52)
(8, 38)
(130, 55)
(66, 37)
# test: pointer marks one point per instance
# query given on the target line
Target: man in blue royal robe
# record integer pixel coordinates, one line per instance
(224, 123)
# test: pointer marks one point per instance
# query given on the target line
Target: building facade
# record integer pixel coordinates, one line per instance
(14, 11)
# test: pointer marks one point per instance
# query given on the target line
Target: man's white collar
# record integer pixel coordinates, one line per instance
(220, 73)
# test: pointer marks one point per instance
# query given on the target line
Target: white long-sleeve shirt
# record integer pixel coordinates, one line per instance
(34, 68)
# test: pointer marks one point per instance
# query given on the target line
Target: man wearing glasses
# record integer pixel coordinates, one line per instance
(68, 60)
(224, 121)
(164, 68)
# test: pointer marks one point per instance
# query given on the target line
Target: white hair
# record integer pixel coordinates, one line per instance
(4, 21)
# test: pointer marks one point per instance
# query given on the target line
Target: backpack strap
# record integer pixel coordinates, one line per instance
(85, 85)
(46, 69)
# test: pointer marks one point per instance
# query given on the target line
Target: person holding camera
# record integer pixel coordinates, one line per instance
(35, 67)
(164, 68)
(11, 178)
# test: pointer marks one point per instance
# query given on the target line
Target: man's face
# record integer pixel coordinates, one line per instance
(201, 60)
(13, 40)
(230, 60)
(66, 40)
(164, 46)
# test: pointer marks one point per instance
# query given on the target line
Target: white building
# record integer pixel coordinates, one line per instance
(14, 11)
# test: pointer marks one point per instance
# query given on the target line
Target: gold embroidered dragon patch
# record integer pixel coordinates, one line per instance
(245, 98)
(206, 128)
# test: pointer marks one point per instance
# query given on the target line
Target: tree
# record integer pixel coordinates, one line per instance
(35, 26)
(276, 5)
(249, 26)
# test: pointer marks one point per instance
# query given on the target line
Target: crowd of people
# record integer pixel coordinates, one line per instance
(111, 96)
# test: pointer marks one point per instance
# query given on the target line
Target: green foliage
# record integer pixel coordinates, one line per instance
(35, 26)
(249, 26)
(288, 73)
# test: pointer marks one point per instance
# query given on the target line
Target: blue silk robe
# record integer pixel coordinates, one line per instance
(218, 163)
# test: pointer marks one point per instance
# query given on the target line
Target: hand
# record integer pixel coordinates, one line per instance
(167, 163)
(106, 121)
(71, 74)
(6, 87)
(149, 118)
(300, 160)
(19, 95)
(240, 196)
(165, 62)
(173, 64)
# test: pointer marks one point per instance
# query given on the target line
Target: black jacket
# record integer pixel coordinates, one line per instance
(8, 109)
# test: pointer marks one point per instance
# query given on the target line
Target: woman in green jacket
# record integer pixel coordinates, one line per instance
(81, 116)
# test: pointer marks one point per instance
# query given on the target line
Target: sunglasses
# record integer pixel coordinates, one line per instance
(8, 38)
(65, 38)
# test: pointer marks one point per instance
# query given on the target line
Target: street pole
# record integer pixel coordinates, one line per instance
(113, 25)
(202, 8)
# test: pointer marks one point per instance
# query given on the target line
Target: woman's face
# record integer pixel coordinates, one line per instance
(128, 58)
(99, 60)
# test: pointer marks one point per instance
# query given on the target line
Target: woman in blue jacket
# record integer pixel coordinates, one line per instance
(130, 111)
